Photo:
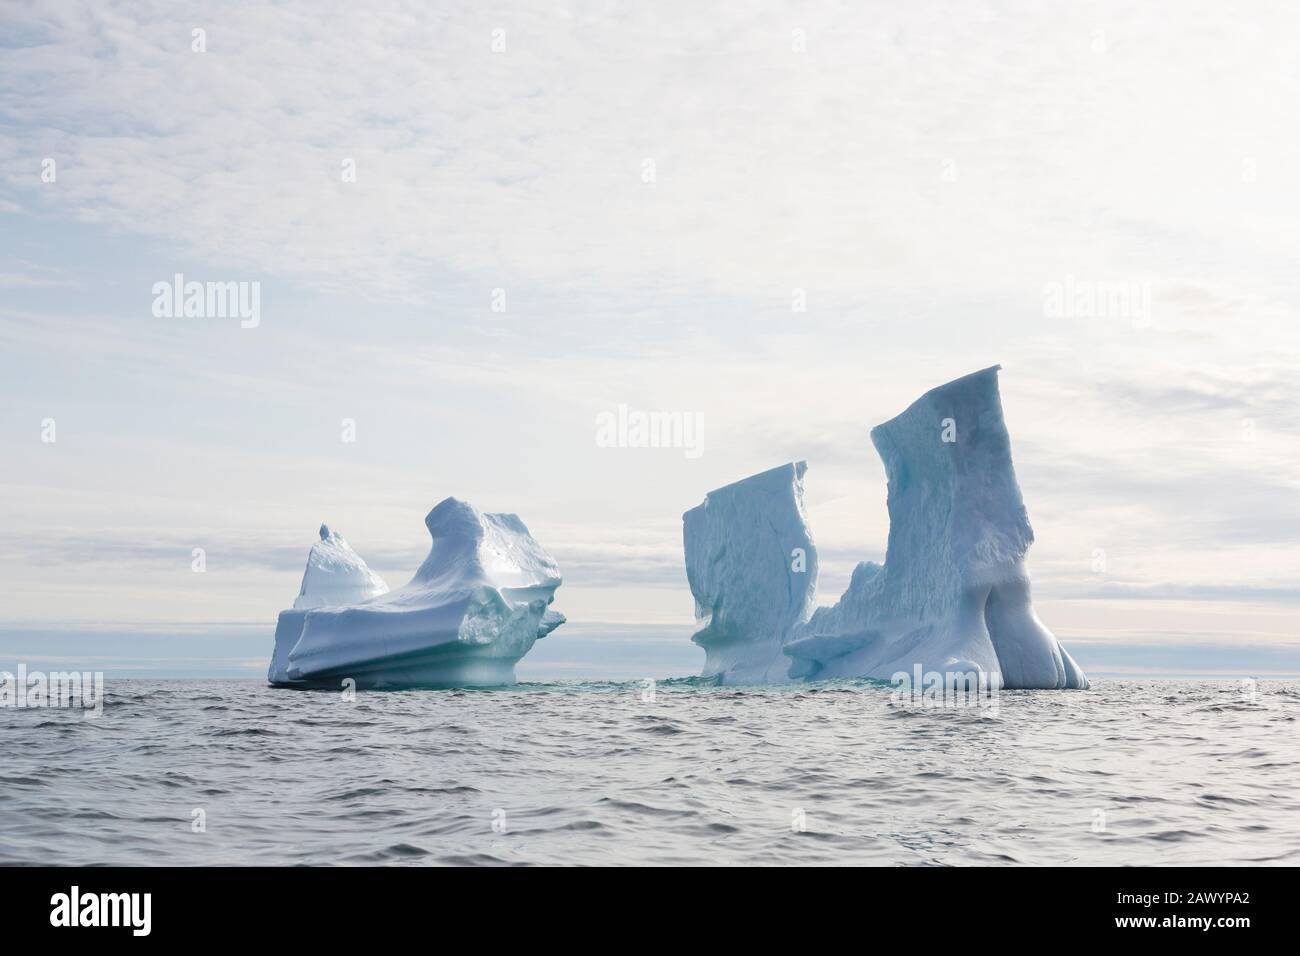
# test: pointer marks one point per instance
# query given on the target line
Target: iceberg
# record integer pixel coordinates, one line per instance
(752, 568)
(473, 608)
(953, 596)
(336, 575)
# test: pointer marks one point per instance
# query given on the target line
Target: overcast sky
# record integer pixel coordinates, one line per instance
(651, 191)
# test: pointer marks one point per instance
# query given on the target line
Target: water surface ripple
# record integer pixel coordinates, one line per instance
(1131, 772)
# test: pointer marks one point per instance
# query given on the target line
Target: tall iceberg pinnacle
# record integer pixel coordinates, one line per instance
(953, 593)
(752, 567)
(336, 575)
(471, 611)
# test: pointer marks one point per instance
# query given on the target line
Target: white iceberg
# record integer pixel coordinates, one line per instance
(336, 575)
(752, 567)
(951, 597)
(473, 609)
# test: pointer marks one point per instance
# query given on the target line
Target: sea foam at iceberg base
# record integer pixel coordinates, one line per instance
(473, 609)
(951, 598)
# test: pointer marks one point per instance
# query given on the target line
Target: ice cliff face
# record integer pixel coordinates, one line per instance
(953, 593)
(752, 567)
(473, 608)
(336, 575)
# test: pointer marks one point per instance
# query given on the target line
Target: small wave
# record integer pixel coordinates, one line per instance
(579, 772)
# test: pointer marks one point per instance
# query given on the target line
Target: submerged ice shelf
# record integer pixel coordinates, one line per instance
(952, 595)
(473, 609)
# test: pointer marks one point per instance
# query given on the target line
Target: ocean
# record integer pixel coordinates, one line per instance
(232, 772)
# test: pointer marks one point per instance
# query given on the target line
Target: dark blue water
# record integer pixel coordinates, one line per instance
(1132, 772)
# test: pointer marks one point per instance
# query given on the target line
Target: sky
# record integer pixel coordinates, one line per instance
(475, 229)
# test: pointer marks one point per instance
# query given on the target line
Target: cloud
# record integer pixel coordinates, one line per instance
(834, 168)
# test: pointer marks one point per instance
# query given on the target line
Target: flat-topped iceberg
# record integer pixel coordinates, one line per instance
(752, 567)
(473, 609)
(951, 597)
